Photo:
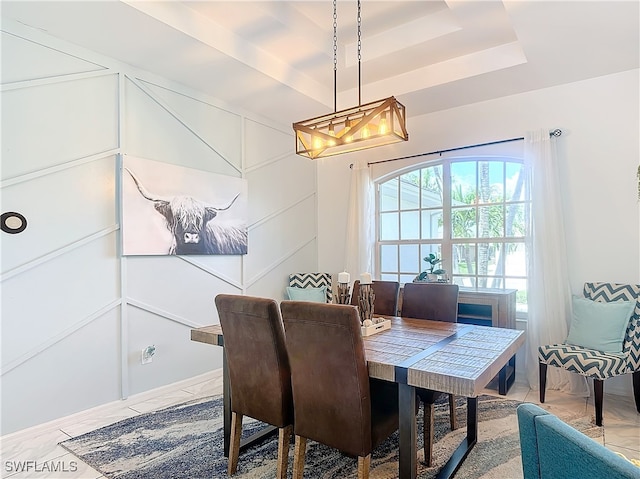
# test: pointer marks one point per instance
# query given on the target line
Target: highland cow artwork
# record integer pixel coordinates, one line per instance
(172, 210)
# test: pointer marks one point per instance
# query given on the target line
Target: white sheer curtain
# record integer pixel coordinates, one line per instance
(360, 221)
(549, 293)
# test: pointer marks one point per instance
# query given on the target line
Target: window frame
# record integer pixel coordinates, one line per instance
(447, 241)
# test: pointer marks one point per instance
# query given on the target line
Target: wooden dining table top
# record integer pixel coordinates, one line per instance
(453, 358)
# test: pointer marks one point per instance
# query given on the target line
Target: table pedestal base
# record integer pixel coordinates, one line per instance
(467, 443)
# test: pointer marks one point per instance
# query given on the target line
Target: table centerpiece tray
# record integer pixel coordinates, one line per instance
(379, 325)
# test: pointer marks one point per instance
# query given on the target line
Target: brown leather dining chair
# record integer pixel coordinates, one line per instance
(259, 374)
(438, 302)
(386, 296)
(335, 401)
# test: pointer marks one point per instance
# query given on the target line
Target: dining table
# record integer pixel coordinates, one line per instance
(452, 358)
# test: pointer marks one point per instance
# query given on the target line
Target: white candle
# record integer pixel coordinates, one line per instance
(344, 277)
(365, 278)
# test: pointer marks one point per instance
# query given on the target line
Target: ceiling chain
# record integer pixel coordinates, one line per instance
(356, 128)
(359, 55)
(335, 56)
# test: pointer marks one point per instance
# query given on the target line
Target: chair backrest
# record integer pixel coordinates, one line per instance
(259, 373)
(312, 280)
(550, 448)
(329, 375)
(436, 301)
(386, 296)
(608, 292)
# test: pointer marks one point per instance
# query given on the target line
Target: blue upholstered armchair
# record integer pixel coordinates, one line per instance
(593, 362)
(551, 449)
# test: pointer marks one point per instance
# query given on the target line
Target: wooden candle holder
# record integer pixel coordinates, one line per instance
(343, 296)
(365, 302)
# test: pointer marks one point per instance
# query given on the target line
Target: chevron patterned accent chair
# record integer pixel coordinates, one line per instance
(595, 364)
(312, 280)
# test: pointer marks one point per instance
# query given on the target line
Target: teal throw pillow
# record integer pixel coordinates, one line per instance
(599, 326)
(317, 295)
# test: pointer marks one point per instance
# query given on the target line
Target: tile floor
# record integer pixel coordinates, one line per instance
(37, 447)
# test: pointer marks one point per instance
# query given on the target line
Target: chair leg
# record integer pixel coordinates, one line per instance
(543, 380)
(452, 412)
(427, 434)
(636, 389)
(234, 448)
(299, 451)
(598, 389)
(363, 466)
(284, 438)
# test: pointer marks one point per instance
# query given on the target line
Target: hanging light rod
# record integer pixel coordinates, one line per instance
(365, 126)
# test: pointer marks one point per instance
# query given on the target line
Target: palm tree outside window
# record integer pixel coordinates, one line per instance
(469, 211)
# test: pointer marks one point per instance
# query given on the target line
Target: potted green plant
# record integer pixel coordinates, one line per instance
(431, 273)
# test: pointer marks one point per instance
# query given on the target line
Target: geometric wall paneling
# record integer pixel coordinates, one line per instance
(176, 289)
(218, 128)
(68, 293)
(90, 376)
(55, 123)
(51, 62)
(275, 240)
(263, 144)
(272, 283)
(271, 192)
(175, 352)
(49, 301)
(72, 204)
(303, 258)
(226, 268)
(152, 131)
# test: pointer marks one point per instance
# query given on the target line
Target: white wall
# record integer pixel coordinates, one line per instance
(598, 154)
(75, 313)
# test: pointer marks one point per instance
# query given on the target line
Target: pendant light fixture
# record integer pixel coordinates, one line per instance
(373, 124)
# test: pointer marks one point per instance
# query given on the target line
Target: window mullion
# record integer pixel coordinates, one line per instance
(399, 206)
(447, 248)
(377, 262)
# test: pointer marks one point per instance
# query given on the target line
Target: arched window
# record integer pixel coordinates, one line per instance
(467, 211)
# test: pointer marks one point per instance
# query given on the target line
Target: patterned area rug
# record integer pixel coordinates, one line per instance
(185, 442)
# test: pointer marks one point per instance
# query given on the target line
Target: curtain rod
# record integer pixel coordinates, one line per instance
(556, 132)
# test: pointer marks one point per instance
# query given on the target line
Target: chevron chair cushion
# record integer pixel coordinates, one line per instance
(588, 362)
(596, 364)
(312, 280)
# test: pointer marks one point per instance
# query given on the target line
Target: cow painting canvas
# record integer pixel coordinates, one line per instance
(172, 210)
